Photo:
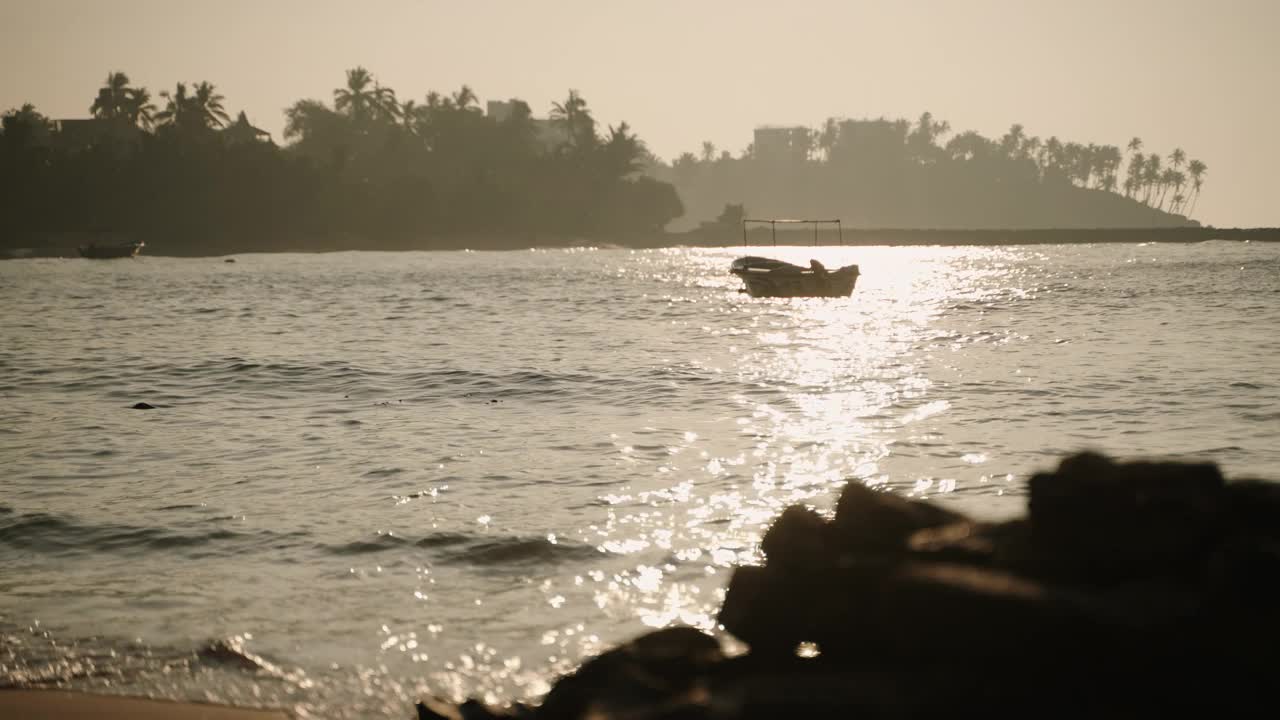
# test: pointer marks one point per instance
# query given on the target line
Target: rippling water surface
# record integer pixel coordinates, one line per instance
(373, 475)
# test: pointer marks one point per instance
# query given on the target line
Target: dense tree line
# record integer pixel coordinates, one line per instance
(897, 173)
(365, 166)
(367, 169)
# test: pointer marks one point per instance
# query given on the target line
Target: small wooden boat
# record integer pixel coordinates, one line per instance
(95, 251)
(768, 277)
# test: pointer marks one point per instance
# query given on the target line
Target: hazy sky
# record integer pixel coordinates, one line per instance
(1178, 73)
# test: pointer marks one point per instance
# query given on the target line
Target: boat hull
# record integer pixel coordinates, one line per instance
(766, 278)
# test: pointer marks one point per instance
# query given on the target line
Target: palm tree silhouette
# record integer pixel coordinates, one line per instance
(113, 97)
(409, 115)
(1196, 169)
(1176, 178)
(385, 106)
(1133, 179)
(1011, 143)
(622, 151)
(176, 107)
(573, 117)
(465, 99)
(1168, 180)
(139, 109)
(357, 99)
(922, 139)
(193, 112)
(207, 104)
(1151, 171)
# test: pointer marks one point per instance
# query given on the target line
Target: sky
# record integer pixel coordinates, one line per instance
(1198, 75)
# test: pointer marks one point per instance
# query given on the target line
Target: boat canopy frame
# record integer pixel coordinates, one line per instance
(773, 224)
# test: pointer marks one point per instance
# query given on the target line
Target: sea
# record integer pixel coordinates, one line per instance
(367, 477)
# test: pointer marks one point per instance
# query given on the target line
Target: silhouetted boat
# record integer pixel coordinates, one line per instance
(95, 251)
(768, 277)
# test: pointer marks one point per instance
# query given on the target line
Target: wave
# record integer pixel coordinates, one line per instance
(474, 550)
(214, 380)
(62, 535)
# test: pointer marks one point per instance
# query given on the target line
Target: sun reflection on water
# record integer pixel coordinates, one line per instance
(822, 392)
(836, 382)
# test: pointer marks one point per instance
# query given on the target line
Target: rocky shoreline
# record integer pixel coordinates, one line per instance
(1129, 588)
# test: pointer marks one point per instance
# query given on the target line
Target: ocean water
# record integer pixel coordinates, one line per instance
(374, 475)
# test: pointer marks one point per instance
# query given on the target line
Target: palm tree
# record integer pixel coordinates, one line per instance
(1054, 157)
(1135, 144)
(1150, 176)
(465, 99)
(176, 107)
(1177, 157)
(1108, 159)
(1133, 178)
(139, 109)
(1011, 143)
(207, 103)
(1196, 169)
(193, 112)
(1077, 163)
(1168, 181)
(1179, 179)
(574, 119)
(708, 151)
(1031, 147)
(356, 100)
(622, 152)
(927, 131)
(409, 112)
(385, 106)
(113, 98)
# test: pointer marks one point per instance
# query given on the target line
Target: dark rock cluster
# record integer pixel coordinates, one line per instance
(1130, 589)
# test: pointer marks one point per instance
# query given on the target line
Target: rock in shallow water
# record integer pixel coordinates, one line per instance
(1096, 520)
(1132, 588)
(868, 519)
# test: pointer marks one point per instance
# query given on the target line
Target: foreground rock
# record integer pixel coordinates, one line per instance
(1131, 588)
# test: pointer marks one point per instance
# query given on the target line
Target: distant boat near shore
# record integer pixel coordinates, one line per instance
(94, 251)
(768, 277)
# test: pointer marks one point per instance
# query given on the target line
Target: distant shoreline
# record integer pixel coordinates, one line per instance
(1046, 236)
(65, 244)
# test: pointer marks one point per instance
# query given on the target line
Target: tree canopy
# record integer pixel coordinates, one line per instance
(395, 173)
(369, 169)
(898, 173)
